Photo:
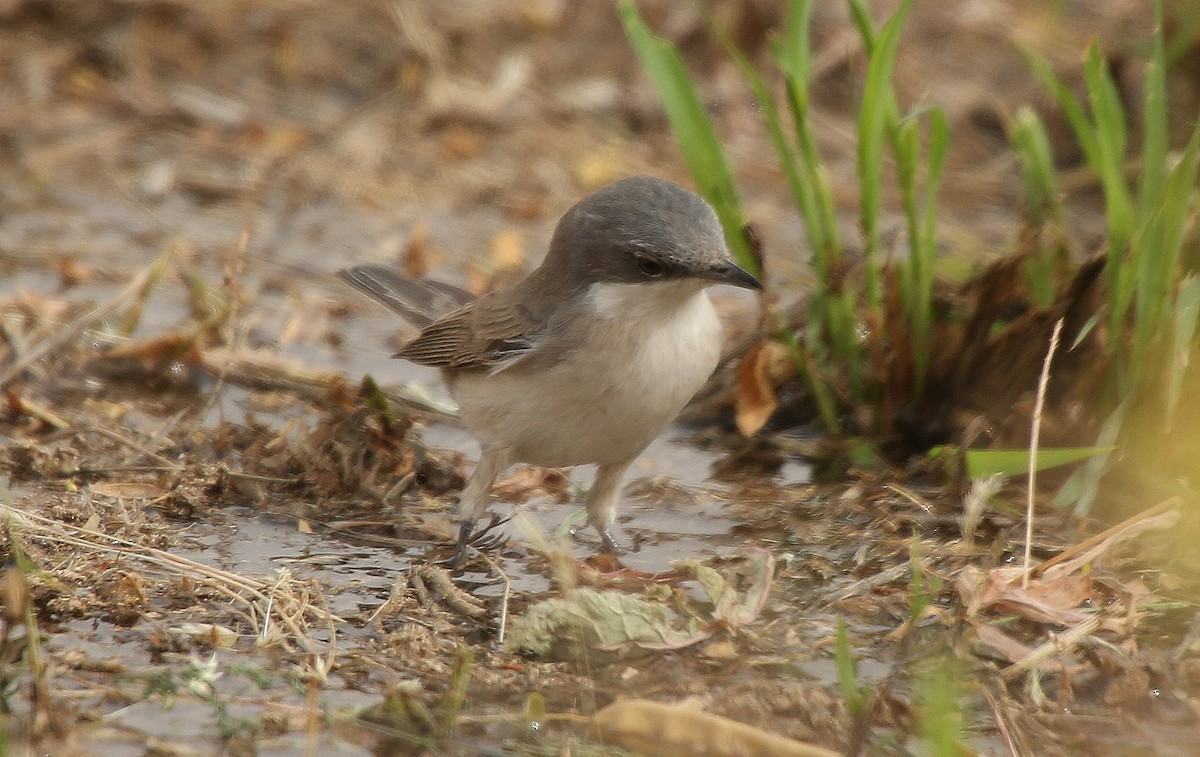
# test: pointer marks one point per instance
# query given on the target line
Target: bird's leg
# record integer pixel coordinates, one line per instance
(602, 502)
(475, 496)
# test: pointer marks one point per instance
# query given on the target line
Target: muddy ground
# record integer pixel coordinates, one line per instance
(225, 545)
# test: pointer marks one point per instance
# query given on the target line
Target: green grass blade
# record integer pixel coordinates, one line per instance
(1111, 135)
(925, 253)
(939, 713)
(795, 56)
(1081, 488)
(1155, 131)
(847, 672)
(693, 128)
(1109, 164)
(861, 16)
(1158, 271)
(1085, 133)
(906, 145)
(1187, 310)
(1037, 166)
(876, 114)
(802, 191)
(814, 178)
(982, 463)
(807, 363)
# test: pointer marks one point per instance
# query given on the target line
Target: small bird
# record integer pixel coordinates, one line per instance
(592, 355)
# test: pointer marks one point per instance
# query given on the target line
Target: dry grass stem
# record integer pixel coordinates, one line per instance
(291, 604)
(1057, 644)
(1162, 516)
(1034, 433)
(66, 334)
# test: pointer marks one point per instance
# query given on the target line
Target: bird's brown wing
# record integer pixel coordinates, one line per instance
(490, 333)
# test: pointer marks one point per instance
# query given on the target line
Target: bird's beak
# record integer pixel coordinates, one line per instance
(732, 274)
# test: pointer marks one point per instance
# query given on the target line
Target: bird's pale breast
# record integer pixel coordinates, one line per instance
(644, 354)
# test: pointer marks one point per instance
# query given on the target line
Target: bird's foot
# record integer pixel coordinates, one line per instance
(487, 538)
(609, 544)
(461, 545)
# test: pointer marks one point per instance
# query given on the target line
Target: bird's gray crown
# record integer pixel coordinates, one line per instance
(635, 230)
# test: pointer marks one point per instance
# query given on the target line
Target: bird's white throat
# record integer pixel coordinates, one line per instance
(646, 302)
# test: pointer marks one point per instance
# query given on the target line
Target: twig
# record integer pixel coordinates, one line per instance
(1126, 529)
(870, 583)
(1057, 643)
(131, 444)
(67, 333)
(236, 587)
(503, 599)
(1034, 434)
(458, 600)
(1001, 724)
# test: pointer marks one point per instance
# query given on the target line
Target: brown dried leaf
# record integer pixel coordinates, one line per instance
(14, 596)
(72, 272)
(597, 169)
(507, 251)
(42, 308)
(416, 259)
(754, 393)
(168, 346)
(1000, 588)
(19, 404)
(644, 726)
(125, 596)
(127, 489)
(461, 142)
(1066, 592)
(526, 482)
(1003, 644)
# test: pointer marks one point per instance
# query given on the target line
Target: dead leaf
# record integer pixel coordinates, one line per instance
(416, 262)
(543, 15)
(591, 624)
(1000, 589)
(72, 272)
(507, 252)
(1006, 646)
(1131, 685)
(42, 308)
(754, 394)
(126, 598)
(14, 596)
(19, 404)
(210, 635)
(171, 345)
(127, 489)
(460, 142)
(1066, 592)
(596, 170)
(652, 728)
(721, 649)
(528, 481)
(587, 624)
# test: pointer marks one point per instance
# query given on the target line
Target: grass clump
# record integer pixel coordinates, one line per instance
(878, 348)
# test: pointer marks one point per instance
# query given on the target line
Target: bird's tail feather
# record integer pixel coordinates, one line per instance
(418, 302)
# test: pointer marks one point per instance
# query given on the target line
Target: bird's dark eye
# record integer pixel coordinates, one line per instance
(651, 268)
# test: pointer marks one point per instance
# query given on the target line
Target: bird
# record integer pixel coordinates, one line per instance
(592, 355)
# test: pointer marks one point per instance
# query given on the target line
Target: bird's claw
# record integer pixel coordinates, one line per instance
(460, 546)
(609, 544)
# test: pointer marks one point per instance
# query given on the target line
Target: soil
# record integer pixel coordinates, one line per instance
(218, 542)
